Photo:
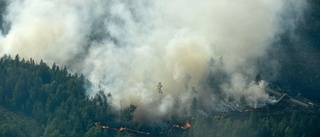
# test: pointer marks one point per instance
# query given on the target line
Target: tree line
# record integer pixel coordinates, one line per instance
(54, 98)
(257, 124)
(38, 100)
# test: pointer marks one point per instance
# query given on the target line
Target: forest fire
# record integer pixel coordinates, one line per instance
(187, 125)
(104, 127)
(121, 129)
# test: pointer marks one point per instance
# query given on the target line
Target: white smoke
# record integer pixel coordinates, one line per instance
(127, 47)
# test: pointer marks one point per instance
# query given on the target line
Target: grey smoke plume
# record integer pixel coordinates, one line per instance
(127, 47)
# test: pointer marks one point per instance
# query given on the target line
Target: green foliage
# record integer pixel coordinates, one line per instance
(12, 124)
(257, 79)
(194, 107)
(94, 132)
(254, 124)
(127, 113)
(50, 96)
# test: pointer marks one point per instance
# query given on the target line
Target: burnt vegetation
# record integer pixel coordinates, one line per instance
(38, 100)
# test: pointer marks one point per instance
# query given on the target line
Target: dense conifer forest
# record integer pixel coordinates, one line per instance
(38, 100)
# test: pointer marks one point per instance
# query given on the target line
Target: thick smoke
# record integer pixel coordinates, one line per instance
(206, 49)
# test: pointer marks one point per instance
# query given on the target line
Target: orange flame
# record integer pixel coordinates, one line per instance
(188, 125)
(121, 128)
(104, 127)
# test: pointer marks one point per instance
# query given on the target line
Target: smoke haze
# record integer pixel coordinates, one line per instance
(208, 49)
